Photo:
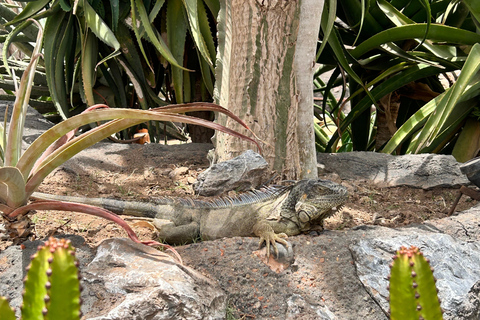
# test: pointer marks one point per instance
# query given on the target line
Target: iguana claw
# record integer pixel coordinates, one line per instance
(265, 232)
(271, 238)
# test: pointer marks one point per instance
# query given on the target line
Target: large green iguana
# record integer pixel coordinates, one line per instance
(272, 213)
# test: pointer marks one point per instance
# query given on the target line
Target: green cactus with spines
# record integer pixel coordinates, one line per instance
(413, 294)
(6, 313)
(52, 286)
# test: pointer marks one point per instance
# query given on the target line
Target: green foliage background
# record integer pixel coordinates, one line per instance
(128, 54)
(390, 54)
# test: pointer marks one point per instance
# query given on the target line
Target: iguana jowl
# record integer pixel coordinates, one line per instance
(271, 214)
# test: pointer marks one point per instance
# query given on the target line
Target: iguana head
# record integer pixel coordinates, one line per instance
(313, 201)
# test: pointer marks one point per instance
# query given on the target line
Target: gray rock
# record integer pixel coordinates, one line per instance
(297, 305)
(243, 173)
(455, 264)
(471, 169)
(126, 280)
(152, 284)
(464, 226)
(421, 171)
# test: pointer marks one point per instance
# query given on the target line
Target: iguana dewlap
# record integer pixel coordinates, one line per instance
(272, 213)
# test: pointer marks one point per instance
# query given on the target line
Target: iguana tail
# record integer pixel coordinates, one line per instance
(130, 208)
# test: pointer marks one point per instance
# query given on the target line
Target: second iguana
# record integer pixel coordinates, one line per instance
(272, 213)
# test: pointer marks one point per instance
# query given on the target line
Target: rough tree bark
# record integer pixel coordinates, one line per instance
(264, 74)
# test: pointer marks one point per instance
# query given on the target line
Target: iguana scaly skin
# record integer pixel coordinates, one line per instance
(271, 214)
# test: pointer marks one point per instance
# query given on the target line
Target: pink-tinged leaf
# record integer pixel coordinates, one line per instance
(12, 187)
(92, 210)
(5, 209)
(64, 139)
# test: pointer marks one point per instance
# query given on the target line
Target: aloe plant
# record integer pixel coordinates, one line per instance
(52, 285)
(413, 294)
(397, 51)
(113, 52)
(22, 173)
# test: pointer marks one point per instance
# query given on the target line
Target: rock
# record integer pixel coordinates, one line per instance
(471, 169)
(421, 171)
(245, 172)
(298, 305)
(464, 226)
(126, 280)
(455, 264)
(152, 285)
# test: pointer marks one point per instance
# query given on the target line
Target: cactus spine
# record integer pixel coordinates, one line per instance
(52, 286)
(413, 294)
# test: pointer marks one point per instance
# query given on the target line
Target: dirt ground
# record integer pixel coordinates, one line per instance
(133, 177)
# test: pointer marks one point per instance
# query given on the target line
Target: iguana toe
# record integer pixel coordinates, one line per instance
(271, 239)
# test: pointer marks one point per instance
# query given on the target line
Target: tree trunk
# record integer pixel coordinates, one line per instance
(264, 75)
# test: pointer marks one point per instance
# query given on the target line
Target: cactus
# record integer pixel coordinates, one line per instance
(52, 286)
(413, 294)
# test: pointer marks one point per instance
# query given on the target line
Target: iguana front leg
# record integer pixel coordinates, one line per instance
(264, 230)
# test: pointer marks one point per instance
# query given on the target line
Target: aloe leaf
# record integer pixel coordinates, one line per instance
(30, 9)
(57, 31)
(328, 15)
(413, 73)
(12, 187)
(205, 68)
(66, 6)
(118, 93)
(207, 35)
(415, 122)
(17, 120)
(9, 39)
(89, 60)
(191, 7)
(208, 80)
(6, 311)
(213, 6)
(155, 10)
(151, 16)
(450, 127)
(400, 19)
(448, 102)
(341, 56)
(138, 85)
(115, 7)
(83, 208)
(436, 33)
(176, 35)
(130, 118)
(137, 33)
(152, 36)
(474, 8)
(468, 143)
(101, 30)
(64, 291)
(35, 289)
